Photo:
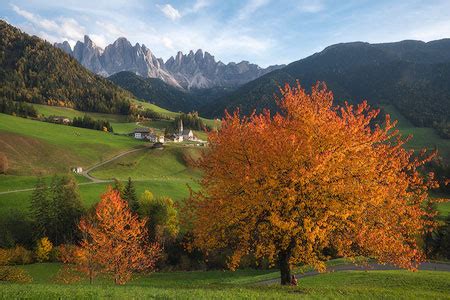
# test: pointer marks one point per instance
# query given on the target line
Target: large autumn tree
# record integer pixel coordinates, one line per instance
(115, 241)
(315, 177)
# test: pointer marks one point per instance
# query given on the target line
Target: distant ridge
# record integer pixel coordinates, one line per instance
(414, 76)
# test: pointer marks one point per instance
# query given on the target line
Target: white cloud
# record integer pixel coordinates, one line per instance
(311, 6)
(99, 40)
(170, 12)
(52, 30)
(110, 29)
(200, 4)
(252, 6)
(36, 20)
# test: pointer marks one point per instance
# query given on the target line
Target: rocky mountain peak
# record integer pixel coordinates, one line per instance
(193, 70)
(65, 46)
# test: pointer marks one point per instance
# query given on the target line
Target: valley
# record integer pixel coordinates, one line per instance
(119, 168)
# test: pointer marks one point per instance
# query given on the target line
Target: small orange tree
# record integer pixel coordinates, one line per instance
(312, 178)
(115, 241)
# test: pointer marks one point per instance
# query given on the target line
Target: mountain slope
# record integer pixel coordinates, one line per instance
(411, 75)
(187, 71)
(154, 90)
(32, 70)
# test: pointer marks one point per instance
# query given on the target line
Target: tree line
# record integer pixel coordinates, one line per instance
(91, 123)
(20, 109)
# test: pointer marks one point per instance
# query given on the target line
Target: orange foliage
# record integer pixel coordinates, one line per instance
(313, 177)
(114, 241)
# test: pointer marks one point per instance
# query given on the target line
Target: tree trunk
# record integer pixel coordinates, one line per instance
(285, 267)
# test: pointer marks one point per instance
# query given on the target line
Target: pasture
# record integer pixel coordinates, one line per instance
(242, 284)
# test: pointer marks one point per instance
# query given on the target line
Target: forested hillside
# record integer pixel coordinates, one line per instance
(154, 90)
(411, 75)
(32, 70)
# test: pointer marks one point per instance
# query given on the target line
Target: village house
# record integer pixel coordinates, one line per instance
(77, 170)
(176, 138)
(61, 120)
(188, 135)
(141, 133)
(184, 134)
(155, 138)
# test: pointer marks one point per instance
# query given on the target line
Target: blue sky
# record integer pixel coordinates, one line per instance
(261, 31)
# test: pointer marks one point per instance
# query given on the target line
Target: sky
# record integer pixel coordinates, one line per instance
(264, 32)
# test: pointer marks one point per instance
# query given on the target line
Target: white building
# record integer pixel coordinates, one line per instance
(155, 138)
(185, 134)
(141, 133)
(77, 170)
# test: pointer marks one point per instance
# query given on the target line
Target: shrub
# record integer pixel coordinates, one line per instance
(4, 257)
(14, 274)
(43, 249)
(20, 256)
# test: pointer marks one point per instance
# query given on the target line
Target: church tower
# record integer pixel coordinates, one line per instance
(181, 127)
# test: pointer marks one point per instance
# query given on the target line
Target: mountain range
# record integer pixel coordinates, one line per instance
(186, 71)
(413, 76)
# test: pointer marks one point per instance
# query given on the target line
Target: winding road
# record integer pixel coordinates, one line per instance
(86, 174)
(426, 266)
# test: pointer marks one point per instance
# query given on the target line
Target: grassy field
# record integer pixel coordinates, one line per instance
(19, 202)
(34, 147)
(168, 163)
(163, 172)
(242, 284)
(423, 137)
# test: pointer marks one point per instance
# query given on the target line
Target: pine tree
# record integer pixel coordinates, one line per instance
(118, 186)
(129, 195)
(66, 210)
(40, 206)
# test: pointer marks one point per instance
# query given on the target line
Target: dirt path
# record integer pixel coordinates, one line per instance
(426, 266)
(32, 189)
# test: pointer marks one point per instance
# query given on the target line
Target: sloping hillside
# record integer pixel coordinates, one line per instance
(411, 75)
(154, 90)
(34, 147)
(32, 70)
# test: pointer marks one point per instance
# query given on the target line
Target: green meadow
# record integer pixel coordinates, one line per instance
(35, 147)
(422, 137)
(242, 284)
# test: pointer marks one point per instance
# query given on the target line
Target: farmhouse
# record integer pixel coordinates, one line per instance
(141, 133)
(155, 138)
(77, 170)
(61, 120)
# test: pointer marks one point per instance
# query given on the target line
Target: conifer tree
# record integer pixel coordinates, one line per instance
(65, 210)
(40, 206)
(129, 195)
